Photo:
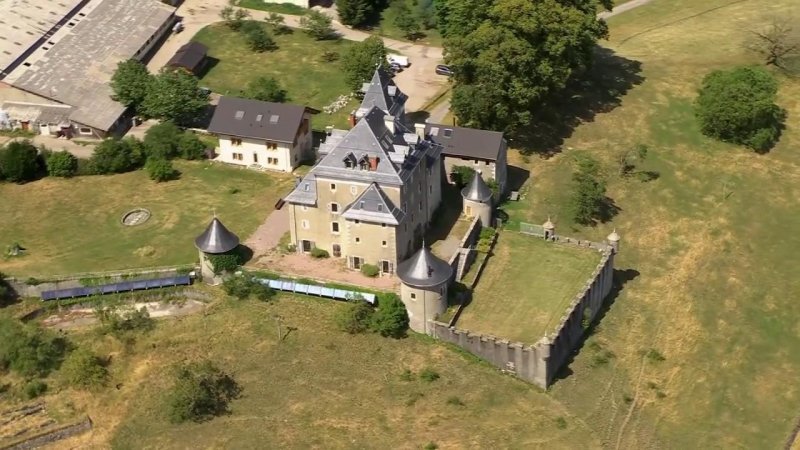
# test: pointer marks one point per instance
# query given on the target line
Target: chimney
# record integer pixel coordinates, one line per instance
(389, 121)
(373, 163)
(420, 128)
(351, 119)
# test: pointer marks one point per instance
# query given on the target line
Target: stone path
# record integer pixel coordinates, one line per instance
(267, 236)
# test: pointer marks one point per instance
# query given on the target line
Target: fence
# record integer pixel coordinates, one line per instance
(317, 291)
(532, 229)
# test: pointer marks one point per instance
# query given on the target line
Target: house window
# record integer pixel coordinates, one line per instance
(304, 224)
(430, 189)
(357, 221)
(419, 188)
(337, 251)
(353, 190)
(255, 157)
(238, 156)
(420, 205)
(236, 141)
(413, 296)
(271, 146)
(386, 266)
(335, 227)
(448, 132)
(355, 262)
(380, 208)
(333, 186)
(383, 225)
(83, 130)
(358, 240)
(273, 161)
(334, 207)
(383, 243)
(306, 245)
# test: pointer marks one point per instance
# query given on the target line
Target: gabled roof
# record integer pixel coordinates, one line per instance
(189, 56)
(241, 117)
(383, 93)
(216, 239)
(305, 193)
(477, 190)
(373, 205)
(424, 269)
(466, 142)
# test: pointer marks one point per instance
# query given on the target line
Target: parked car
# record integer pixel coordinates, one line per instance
(400, 60)
(394, 67)
(441, 69)
(177, 28)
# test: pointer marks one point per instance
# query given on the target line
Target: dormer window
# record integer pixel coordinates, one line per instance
(380, 208)
(363, 163)
(306, 187)
(448, 132)
(350, 161)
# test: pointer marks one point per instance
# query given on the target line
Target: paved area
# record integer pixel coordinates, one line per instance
(267, 236)
(331, 270)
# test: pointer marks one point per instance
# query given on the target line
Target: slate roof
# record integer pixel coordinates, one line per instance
(189, 56)
(305, 193)
(477, 190)
(373, 205)
(383, 93)
(466, 142)
(216, 239)
(424, 269)
(255, 119)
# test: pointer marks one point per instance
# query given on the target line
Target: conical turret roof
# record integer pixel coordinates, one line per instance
(614, 236)
(477, 190)
(424, 269)
(216, 239)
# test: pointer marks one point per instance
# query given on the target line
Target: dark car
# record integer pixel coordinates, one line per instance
(441, 69)
(395, 67)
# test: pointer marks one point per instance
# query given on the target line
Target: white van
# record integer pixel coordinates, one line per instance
(397, 59)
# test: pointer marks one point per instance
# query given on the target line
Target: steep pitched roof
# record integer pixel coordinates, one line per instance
(373, 205)
(477, 190)
(383, 93)
(243, 117)
(424, 269)
(305, 193)
(216, 239)
(466, 142)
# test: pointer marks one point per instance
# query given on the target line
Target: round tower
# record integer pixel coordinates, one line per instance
(613, 240)
(215, 239)
(423, 289)
(549, 229)
(478, 200)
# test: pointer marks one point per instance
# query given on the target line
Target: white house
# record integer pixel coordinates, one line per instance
(274, 136)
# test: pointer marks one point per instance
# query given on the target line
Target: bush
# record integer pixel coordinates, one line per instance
(84, 369)
(370, 270)
(163, 140)
(19, 161)
(258, 39)
(391, 318)
(266, 89)
(34, 389)
(461, 175)
(119, 322)
(200, 391)
(738, 106)
(29, 351)
(355, 317)
(318, 25)
(245, 287)
(62, 164)
(429, 375)
(319, 253)
(117, 156)
(160, 170)
(330, 56)
(191, 147)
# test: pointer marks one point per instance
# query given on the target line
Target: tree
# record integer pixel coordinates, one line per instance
(199, 392)
(191, 147)
(361, 59)
(278, 24)
(738, 106)
(62, 164)
(588, 192)
(234, 17)
(162, 140)
(777, 43)
(84, 369)
(160, 170)
(116, 156)
(318, 25)
(130, 82)
(391, 318)
(510, 55)
(27, 350)
(355, 13)
(257, 37)
(407, 23)
(266, 89)
(175, 95)
(355, 317)
(19, 161)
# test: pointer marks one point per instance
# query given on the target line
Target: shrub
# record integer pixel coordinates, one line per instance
(244, 287)
(119, 322)
(461, 175)
(317, 252)
(318, 25)
(163, 140)
(738, 106)
(258, 39)
(191, 147)
(29, 351)
(277, 23)
(330, 56)
(429, 375)
(561, 423)
(34, 388)
(116, 156)
(19, 161)
(431, 446)
(370, 270)
(266, 89)
(160, 170)
(199, 392)
(588, 192)
(655, 356)
(355, 317)
(391, 318)
(84, 369)
(226, 262)
(62, 164)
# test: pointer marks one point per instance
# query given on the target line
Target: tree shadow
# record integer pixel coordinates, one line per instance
(621, 278)
(608, 210)
(646, 176)
(416, 117)
(208, 63)
(245, 253)
(599, 90)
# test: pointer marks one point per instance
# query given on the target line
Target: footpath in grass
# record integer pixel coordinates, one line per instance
(74, 225)
(526, 286)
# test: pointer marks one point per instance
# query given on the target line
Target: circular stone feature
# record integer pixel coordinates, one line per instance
(135, 217)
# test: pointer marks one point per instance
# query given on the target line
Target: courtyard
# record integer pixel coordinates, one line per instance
(525, 287)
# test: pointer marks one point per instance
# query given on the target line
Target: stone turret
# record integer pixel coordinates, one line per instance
(549, 229)
(216, 239)
(478, 199)
(613, 240)
(424, 279)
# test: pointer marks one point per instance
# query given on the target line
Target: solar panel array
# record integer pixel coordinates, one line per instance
(115, 288)
(319, 291)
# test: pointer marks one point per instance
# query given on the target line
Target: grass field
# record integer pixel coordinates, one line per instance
(525, 287)
(709, 249)
(281, 8)
(297, 65)
(318, 388)
(73, 225)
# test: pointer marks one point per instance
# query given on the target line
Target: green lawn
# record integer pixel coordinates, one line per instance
(297, 65)
(526, 287)
(281, 8)
(73, 225)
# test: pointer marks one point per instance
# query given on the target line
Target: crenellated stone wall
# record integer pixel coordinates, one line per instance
(465, 254)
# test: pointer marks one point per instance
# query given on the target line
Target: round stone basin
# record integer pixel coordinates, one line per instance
(135, 217)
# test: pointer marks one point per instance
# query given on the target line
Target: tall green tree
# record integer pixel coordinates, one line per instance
(116, 156)
(19, 161)
(355, 12)
(738, 106)
(162, 141)
(130, 82)
(258, 39)
(175, 95)
(509, 55)
(588, 192)
(391, 318)
(407, 22)
(266, 89)
(318, 25)
(361, 59)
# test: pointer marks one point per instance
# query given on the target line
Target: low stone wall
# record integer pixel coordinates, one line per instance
(52, 436)
(539, 363)
(465, 254)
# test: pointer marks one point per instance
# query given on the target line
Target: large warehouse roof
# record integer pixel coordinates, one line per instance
(77, 68)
